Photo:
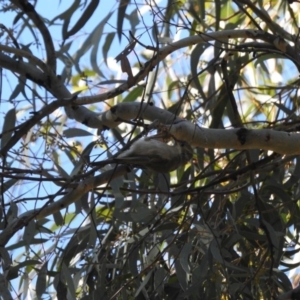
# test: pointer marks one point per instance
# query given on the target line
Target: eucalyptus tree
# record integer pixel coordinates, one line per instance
(81, 82)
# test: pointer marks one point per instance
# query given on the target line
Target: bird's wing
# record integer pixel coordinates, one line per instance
(141, 160)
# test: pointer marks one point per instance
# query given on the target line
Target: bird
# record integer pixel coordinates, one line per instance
(154, 154)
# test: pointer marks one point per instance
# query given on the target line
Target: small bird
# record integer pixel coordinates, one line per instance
(155, 155)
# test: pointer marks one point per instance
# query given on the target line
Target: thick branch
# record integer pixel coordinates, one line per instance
(51, 83)
(32, 59)
(240, 139)
(90, 119)
(26, 69)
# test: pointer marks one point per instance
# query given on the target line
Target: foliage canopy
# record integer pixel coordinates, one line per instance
(83, 82)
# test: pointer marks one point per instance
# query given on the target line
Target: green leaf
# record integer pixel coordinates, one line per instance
(83, 19)
(41, 281)
(29, 232)
(134, 20)
(184, 257)
(106, 47)
(68, 277)
(8, 126)
(58, 219)
(195, 57)
(96, 37)
(134, 94)
(121, 14)
(74, 132)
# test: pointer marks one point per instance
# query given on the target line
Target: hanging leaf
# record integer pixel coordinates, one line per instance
(8, 126)
(121, 14)
(106, 47)
(85, 16)
(75, 132)
(41, 281)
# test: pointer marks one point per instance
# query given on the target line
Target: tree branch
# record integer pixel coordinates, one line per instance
(279, 43)
(189, 41)
(26, 69)
(29, 10)
(91, 119)
(292, 294)
(32, 59)
(267, 139)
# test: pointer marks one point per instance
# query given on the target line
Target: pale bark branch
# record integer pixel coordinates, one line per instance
(281, 142)
(104, 121)
(240, 139)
